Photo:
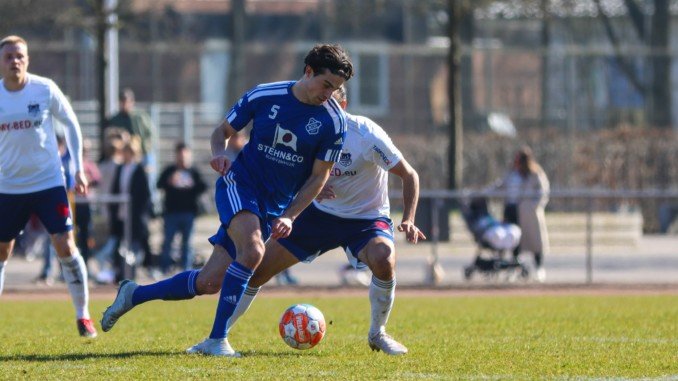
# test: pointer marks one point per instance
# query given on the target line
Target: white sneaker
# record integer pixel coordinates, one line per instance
(540, 275)
(121, 304)
(214, 347)
(384, 342)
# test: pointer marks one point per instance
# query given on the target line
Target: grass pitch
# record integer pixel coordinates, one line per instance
(487, 337)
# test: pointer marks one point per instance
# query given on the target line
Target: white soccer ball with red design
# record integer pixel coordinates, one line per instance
(302, 326)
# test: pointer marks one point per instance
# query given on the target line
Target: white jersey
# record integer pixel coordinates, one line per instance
(29, 157)
(360, 178)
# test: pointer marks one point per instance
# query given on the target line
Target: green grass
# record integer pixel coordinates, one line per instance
(513, 338)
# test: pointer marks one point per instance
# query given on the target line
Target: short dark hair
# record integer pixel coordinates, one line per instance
(340, 94)
(180, 146)
(329, 57)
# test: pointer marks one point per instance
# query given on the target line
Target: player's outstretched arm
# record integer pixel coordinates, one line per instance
(61, 109)
(410, 179)
(282, 226)
(220, 136)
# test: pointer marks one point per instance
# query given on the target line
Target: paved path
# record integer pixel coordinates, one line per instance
(653, 261)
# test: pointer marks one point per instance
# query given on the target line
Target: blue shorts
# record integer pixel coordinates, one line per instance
(315, 232)
(234, 194)
(50, 205)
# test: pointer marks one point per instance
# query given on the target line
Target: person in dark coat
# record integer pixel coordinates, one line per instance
(183, 186)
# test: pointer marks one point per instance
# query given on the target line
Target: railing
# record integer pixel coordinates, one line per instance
(581, 231)
(436, 201)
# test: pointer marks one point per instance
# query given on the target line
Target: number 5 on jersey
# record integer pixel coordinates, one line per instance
(274, 111)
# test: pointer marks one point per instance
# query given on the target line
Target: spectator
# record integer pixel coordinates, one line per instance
(137, 123)
(114, 142)
(527, 189)
(183, 186)
(131, 179)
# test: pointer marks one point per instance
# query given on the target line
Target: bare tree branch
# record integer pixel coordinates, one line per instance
(637, 18)
(625, 66)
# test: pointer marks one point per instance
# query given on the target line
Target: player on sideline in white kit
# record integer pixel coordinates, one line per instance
(352, 211)
(31, 177)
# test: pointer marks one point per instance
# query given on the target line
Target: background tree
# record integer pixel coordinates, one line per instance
(657, 91)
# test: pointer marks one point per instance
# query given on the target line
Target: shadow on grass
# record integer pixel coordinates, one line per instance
(127, 355)
(86, 356)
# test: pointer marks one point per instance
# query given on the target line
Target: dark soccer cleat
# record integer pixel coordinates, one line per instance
(86, 328)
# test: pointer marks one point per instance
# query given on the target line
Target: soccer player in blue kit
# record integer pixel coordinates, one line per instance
(297, 135)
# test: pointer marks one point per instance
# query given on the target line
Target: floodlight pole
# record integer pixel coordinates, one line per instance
(456, 134)
(112, 72)
(236, 78)
(107, 62)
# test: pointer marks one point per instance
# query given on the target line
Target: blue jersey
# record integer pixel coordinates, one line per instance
(286, 138)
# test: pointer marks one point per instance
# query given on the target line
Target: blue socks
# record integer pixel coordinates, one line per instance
(182, 286)
(236, 279)
(178, 287)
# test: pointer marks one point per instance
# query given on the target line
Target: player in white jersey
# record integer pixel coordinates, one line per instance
(31, 177)
(352, 212)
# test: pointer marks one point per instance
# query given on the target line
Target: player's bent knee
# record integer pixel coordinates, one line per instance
(381, 260)
(251, 255)
(382, 254)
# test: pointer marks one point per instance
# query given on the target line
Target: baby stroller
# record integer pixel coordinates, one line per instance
(493, 239)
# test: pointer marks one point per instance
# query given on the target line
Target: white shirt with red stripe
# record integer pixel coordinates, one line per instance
(360, 178)
(29, 157)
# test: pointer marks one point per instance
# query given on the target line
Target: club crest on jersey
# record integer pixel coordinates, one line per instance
(284, 137)
(313, 126)
(33, 109)
(345, 159)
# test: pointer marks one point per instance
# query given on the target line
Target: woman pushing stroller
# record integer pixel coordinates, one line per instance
(526, 187)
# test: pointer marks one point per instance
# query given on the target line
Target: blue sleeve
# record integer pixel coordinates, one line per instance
(330, 147)
(241, 113)
(68, 171)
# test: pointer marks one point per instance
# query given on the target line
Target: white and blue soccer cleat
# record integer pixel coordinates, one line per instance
(120, 306)
(382, 341)
(214, 347)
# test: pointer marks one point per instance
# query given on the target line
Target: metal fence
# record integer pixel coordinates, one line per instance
(589, 242)
(588, 227)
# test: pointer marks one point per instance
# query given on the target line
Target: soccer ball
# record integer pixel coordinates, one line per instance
(302, 326)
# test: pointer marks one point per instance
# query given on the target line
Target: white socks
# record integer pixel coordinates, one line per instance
(75, 275)
(382, 294)
(2, 275)
(242, 307)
